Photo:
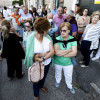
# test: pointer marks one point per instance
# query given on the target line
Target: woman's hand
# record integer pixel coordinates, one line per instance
(37, 58)
(13, 30)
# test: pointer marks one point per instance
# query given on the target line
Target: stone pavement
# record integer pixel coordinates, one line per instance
(21, 89)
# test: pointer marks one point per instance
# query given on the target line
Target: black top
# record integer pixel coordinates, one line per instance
(12, 47)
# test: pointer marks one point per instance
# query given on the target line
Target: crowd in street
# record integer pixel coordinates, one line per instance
(51, 37)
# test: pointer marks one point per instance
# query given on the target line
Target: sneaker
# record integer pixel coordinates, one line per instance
(57, 85)
(95, 58)
(84, 66)
(72, 91)
(91, 55)
(81, 62)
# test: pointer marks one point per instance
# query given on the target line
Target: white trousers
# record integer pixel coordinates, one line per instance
(68, 71)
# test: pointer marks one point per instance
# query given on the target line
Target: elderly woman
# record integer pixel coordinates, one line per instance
(82, 22)
(40, 44)
(91, 37)
(63, 54)
(29, 30)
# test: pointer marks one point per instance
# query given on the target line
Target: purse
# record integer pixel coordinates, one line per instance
(36, 72)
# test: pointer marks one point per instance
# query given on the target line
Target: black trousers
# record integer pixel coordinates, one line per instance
(78, 37)
(40, 84)
(85, 50)
(14, 66)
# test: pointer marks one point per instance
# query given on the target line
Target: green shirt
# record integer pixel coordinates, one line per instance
(60, 60)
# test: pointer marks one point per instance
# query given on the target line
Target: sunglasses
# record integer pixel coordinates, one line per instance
(63, 31)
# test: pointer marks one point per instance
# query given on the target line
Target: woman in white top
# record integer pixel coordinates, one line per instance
(40, 45)
(29, 28)
(91, 37)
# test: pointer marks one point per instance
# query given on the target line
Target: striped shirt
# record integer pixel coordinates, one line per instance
(92, 34)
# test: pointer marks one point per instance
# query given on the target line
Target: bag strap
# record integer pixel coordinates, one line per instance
(40, 69)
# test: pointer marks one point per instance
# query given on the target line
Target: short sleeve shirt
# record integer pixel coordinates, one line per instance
(60, 60)
(42, 48)
(23, 17)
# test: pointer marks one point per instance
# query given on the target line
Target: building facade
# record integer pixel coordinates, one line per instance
(6, 2)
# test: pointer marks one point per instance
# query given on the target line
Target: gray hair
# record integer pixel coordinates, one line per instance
(70, 12)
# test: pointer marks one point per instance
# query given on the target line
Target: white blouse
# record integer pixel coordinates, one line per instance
(42, 48)
(92, 34)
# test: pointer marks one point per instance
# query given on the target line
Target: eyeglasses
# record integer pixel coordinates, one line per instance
(63, 31)
(27, 26)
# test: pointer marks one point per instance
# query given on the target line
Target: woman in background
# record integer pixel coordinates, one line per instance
(12, 50)
(81, 23)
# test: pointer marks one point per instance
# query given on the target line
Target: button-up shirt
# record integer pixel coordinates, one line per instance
(54, 12)
(58, 20)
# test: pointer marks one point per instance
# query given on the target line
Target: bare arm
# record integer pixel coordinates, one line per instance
(74, 34)
(14, 31)
(73, 53)
(59, 52)
(50, 53)
(45, 55)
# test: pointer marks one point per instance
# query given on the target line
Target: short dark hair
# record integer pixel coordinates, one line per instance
(34, 9)
(31, 24)
(77, 5)
(41, 25)
(5, 8)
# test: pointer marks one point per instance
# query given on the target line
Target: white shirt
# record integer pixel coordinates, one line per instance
(12, 19)
(23, 17)
(5, 13)
(43, 48)
(92, 34)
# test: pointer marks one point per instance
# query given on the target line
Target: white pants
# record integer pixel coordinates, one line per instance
(98, 52)
(68, 71)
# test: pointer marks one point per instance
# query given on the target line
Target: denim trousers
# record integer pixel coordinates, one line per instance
(40, 84)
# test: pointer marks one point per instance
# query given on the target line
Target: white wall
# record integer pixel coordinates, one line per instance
(68, 3)
(6, 2)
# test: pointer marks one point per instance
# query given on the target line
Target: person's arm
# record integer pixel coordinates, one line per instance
(74, 30)
(16, 36)
(74, 34)
(23, 21)
(59, 52)
(29, 19)
(51, 52)
(38, 57)
(73, 53)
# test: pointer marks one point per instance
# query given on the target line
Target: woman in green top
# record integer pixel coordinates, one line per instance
(63, 54)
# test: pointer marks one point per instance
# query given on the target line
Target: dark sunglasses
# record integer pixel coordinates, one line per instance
(63, 31)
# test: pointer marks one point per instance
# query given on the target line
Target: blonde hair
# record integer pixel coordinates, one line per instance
(95, 13)
(5, 28)
(67, 24)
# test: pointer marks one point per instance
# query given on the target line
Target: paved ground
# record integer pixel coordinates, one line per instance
(22, 89)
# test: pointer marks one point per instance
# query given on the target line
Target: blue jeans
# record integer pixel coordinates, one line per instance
(40, 84)
(20, 32)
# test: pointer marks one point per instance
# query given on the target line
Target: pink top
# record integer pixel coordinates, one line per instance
(58, 20)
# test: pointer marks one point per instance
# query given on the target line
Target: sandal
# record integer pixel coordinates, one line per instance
(44, 89)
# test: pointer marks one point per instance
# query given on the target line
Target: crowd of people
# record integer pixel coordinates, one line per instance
(48, 36)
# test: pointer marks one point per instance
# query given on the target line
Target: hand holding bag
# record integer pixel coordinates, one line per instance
(36, 72)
